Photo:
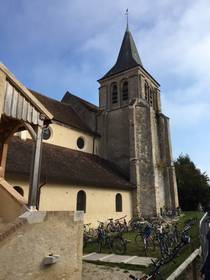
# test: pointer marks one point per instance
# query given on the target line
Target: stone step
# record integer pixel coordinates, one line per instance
(112, 258)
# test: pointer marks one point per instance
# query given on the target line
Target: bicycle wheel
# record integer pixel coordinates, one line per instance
(118, 246)
(139, 240)
(100, 245)
(110, 227)
(149, 245)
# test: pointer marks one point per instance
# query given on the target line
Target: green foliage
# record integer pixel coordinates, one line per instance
(193, 185)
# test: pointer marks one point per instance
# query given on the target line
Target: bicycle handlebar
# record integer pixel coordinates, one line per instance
(121, 218)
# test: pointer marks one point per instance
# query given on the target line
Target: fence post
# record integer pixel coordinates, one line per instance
(194, 271)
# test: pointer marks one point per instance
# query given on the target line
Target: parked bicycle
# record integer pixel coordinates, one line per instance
(117, 225)
(89, 235)
(154, 273)
(145, 238)
(111, 240)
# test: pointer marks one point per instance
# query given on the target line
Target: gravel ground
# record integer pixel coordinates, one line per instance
(99, 272)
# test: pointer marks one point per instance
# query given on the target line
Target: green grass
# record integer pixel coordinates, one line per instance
(134, 250)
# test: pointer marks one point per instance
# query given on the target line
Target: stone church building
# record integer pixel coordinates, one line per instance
(109, 160)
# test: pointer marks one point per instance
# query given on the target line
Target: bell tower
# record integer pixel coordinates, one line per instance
(135, 133)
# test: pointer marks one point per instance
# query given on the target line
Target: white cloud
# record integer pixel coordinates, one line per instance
(58, 45)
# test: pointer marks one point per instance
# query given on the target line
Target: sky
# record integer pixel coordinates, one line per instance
(53, 46)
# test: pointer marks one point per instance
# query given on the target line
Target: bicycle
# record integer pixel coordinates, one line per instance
(145, 239)
(89, 235)
(121, 226)
(154, 274)
(113, 241)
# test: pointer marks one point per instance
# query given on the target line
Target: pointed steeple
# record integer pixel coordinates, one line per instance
(128, 56)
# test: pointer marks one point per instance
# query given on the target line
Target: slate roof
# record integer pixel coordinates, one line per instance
(62, 112)
(90, 106)
(128, 56)
(64, 165)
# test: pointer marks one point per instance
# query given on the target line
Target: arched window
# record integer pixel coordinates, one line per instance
(114, 93)
(146, 91)
(150, 97)
(155, 105)
(81, 201)
(125, 90)
(118, 202)
(19, 190)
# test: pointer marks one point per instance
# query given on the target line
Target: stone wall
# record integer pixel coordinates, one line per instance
(114, 146)
(22, 252)
(136, 137)
(166, 163)
(146, 164)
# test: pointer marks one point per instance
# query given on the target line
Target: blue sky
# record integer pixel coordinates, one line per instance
(53, 46)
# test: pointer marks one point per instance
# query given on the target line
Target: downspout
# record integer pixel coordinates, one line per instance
(39, 193)
(44, 164)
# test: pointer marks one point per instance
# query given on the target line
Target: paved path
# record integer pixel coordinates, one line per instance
(112, 258)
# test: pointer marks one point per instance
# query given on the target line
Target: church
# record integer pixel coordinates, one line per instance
(110, 160)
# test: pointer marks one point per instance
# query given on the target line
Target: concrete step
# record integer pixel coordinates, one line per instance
(112, 258)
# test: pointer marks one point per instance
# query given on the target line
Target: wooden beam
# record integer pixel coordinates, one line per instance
(3, 159)
(8, 129)
(2, 91)
(19, 86)
(35, 172)
(30, 130)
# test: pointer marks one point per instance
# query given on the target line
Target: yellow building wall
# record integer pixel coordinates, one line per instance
(100, 202)
(66, 137)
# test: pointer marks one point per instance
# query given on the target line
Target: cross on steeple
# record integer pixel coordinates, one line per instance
(126, 13)
(128, 56)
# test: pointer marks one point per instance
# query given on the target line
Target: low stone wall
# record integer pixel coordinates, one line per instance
(42, 233)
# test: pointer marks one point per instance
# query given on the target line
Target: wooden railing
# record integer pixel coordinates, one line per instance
(190, 260)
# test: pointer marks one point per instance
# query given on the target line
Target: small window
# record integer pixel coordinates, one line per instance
(81, 201)
(125, 91)
(19, 190)
(150, 97)
(118, 202)
(155, 105)
(146, 91)
(46, 133)
(80, 143)
(114, 94)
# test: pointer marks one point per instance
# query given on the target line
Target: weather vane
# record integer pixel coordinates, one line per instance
(126, 13)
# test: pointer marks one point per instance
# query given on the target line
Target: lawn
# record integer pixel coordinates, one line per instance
(134, 250)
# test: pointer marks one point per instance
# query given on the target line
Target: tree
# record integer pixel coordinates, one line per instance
(193, 185)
